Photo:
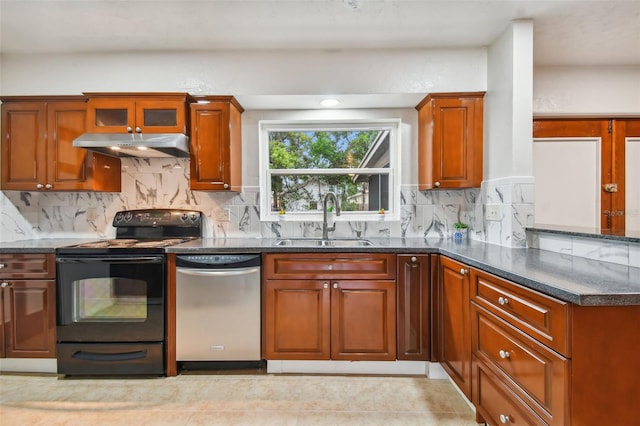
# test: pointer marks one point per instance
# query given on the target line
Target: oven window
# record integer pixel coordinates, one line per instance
(109, 299)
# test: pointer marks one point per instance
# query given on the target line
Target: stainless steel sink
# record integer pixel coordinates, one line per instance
(316, 242)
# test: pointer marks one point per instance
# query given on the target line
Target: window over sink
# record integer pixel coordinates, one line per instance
(300, 162)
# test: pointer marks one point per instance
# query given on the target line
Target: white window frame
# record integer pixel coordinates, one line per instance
(394, 125)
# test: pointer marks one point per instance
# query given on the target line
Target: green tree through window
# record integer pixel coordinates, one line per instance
(302, 162)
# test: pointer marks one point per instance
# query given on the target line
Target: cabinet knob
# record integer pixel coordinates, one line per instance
(414, 259)
(330, 267)
(503, 300)
(463, 271)
(335, 285)
(129, 129)
(39, 186)
(3, 265)
(225, 186)
(325, 285)
(138, 130)
(436, 184)
(504, 419)
(4, 284)
(504, 354)
(48, 186)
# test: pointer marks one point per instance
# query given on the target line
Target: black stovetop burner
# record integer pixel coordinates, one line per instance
(145, 230)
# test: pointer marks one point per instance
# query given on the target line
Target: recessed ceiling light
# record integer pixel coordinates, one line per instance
(329, 102)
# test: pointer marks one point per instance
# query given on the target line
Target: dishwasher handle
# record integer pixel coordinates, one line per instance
(218, 272)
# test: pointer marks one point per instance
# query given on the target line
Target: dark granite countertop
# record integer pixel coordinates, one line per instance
(46, 245)
(570, 278)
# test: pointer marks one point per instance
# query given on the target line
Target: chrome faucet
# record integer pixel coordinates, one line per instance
(325, 228)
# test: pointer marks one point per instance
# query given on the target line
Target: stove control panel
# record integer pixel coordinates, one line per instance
(158, 217)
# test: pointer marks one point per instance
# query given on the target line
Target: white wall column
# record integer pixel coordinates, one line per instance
(507, 189)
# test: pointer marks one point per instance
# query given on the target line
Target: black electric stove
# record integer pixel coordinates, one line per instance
(148, 231)
(111, 304)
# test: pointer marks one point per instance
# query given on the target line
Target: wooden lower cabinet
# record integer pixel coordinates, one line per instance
(363, 320)
(329, 313)
(296, 319)
(413, 301)
(28, 299)
(535, 377)
(496, 402)
(452, 322)
(605, 366)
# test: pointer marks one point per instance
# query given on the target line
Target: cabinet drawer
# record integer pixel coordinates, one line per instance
(544, 318)
(27, 265)
(329, 266)
(537, 374)
(496, 403)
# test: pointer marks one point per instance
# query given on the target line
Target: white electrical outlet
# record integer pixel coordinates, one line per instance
(494, 212)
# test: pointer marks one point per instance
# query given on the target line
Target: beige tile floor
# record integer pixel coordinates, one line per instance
(231, 400)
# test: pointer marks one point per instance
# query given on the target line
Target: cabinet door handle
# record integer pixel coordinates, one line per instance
(138, 130)
(48, 186)
(3, 265)
(39, 186)
(504, 419)
(225, 186)
(325, 285)
(436, 184)
(504, 354)
(335, 285)
(4, 285)
(463, 271)
(503, 301)
(414, 259)
(129, 129)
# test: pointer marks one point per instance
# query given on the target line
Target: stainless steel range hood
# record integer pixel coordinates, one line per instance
(145, 145)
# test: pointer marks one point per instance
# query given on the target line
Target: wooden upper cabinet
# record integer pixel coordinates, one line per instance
(450, 132)
(137, 112)
(37, 150)
(216, 144)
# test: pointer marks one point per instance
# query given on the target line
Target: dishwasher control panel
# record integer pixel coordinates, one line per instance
(217, 261)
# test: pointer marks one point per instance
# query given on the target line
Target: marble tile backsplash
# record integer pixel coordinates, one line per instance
(618, 252)
(164, 183)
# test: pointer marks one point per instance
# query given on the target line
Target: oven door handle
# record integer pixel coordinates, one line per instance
(122, 356)
(127, 259)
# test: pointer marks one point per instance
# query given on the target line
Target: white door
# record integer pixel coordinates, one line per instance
(632, 179)
(567, 176)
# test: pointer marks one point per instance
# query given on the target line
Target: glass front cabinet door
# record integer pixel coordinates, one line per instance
(137, 113)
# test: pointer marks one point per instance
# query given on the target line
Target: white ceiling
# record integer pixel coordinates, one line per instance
(566, 32)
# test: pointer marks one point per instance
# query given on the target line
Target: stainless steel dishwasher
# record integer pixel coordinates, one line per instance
(218, 308)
